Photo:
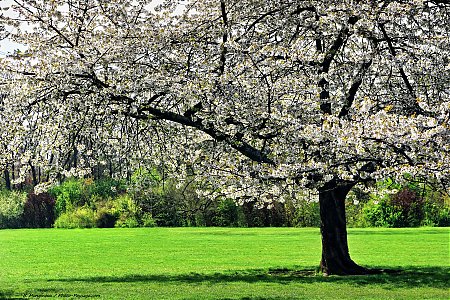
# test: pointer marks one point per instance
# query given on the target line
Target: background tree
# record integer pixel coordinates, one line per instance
(262, 98)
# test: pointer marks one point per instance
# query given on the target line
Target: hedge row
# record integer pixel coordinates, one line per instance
(146, 202)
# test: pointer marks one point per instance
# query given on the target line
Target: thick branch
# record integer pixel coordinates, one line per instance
(354, 89)
(208, 128)
(325, 106)
(224, 37)
(394, 54)
(338, 43)
(97, 82)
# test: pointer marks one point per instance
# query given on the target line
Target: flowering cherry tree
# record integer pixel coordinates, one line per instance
(262, 99)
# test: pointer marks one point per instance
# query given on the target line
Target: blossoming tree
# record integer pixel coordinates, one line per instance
(262, 99)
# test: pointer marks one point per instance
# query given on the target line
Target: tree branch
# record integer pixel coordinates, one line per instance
(223, 49)
(208, 128)
(325, 106)
(338, 42)
(354, 89)
(394, 54)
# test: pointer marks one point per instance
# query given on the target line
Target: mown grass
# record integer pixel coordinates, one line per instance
(217, 263)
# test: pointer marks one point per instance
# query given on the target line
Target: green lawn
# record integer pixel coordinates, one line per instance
(217, 263)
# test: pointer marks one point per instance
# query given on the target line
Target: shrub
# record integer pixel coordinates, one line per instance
(39, 211)
(443, 219)
(105, 219)
(252, 214)
(128, 222)
(127, 211)
(436, 211)
(69, 195)
(11, 208)
(378, 213)
(167, 205)
(82, 217)
(409, 206)
(276, 214)
(402, 209)
(147, 220)
(124, 204)
(227, 213)
(307, 214)
(354, 205)
(104, 188)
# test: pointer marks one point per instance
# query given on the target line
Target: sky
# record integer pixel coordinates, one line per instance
(8, 46)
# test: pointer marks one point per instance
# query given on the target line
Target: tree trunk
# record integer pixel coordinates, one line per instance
(335, 256)
(7, 179)
(33, 173)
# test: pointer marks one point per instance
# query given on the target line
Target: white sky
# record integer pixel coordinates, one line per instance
(8, 46)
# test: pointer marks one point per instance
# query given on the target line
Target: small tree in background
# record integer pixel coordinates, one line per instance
(39, 211)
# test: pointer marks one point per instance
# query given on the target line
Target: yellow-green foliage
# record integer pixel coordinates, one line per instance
(82, 217)
(11, 208)
(127, 210)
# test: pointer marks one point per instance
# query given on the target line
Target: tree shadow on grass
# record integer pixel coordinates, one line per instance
(406, 277)
(10, 296)
(33, 294)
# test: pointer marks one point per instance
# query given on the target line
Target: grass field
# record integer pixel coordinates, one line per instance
(217, 263)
